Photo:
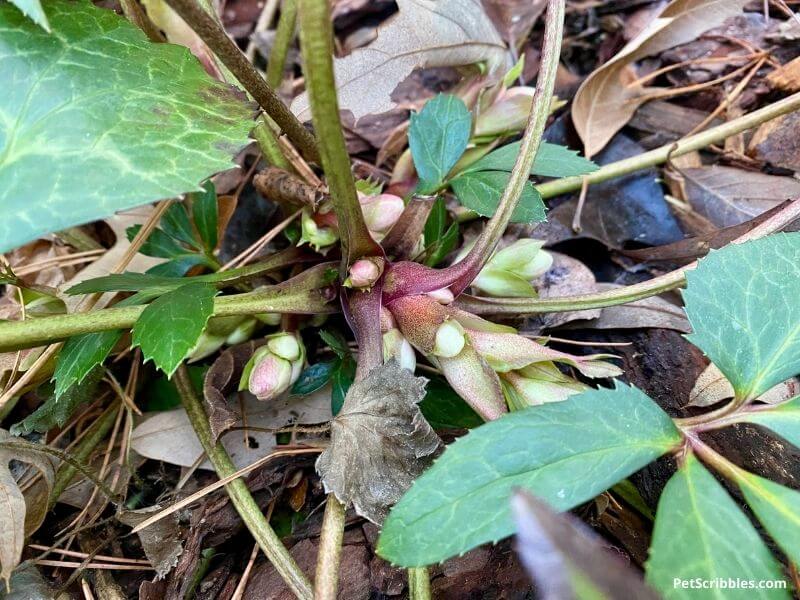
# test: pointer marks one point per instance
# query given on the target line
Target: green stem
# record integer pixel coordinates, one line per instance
(268, 143)
(316, 38)
(326, 579)
(679, 148)
(238, 492)
(228, 52)
(419, 584)
(284, 33)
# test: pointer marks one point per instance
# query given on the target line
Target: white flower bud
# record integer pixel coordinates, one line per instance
(397, 347)
(450, 339)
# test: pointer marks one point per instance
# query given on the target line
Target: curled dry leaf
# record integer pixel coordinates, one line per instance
(609, 97)
(15, 520)
(425, 33)
(380, 442)
(161, 541)
(712, 386)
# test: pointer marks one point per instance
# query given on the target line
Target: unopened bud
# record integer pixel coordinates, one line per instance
(274, 367)
(442, 296)
(381, 212)
(510, 271)
(269, 318)
(508, 114)
(450, 339)
(397, 347)
(314, 235)
(538, 384)
(364, 273)
(242, 332)
(285, 345)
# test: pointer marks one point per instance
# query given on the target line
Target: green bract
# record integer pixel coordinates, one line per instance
(94, 118)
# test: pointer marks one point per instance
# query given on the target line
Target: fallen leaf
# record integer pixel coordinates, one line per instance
(425, 33)
(776, 142)
(727, 196)
(161, 541)
(514, 18)
(712, 386)
(168, 436)
(15, 521)
(608, 98)
(28, 583)
(380, 442)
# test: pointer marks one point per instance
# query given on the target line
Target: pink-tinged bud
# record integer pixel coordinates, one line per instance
(508, 114)
(318, 237)
(285, 346)
(396, 347)
(442, 296)
(381, 212)
(271, 376)
(450, 339)
(364, 273)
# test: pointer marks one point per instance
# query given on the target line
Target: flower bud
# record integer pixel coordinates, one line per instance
(381, 212)
(450, 339)
(442, 296)
(364, 273)
(221, 331)
(397, 347)
(285, 346)
(269, 318)
(316, 236)
(274, 367)
(538, 384)
(510, 270)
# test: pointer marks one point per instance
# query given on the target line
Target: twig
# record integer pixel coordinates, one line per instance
(238, 492)
(228, 52)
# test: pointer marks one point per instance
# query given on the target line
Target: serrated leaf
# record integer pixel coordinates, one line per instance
(179, 265)
(79, 355)
(481, 191)
(313, 378)
(778, 509)
(119, 121)
(551, 160)
(700, 533)
(206, 215)
(33, 9)
(783, 419)
(437, 137)
(336, 342)
(169, 328)
(565, 453)
(175, 224)
(742, 304)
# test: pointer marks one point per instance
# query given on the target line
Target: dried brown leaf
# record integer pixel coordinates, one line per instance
(712, 386)
(161, 541)
(380, 442)
(514, 18)
(566, 277)
(425, 33)
(607, 99)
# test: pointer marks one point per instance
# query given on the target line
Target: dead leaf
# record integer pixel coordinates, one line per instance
(14, 517)
(28, 583)
(608, 99)
(161, 541)
(514, 18)
(712, 386)
(425, 33)
(380, 442)
(727, 196)
(776, 142)
(169, 436)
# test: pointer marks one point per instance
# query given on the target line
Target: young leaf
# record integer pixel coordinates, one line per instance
(175, 224)
(336, 343)
(33, 9)
(158, 244)
(742, 304)
(567, 559)
(565, 453)
(313, 378)
(481, 191)
(113, 136)
(206, 213)
(700, 533)
(783, 419)
(79, 356)
(777, 507)
(169, 328)
(438, 136)
(551, 160)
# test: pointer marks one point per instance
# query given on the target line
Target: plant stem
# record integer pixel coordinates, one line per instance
(326, 579)
(316, 38)
(419, 584)
(679, 148)
(624, 295)
(268, 143)
(228, 52)
(238, 492)
(284, 33)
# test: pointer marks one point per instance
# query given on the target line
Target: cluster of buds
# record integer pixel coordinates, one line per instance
(229, 331)
(510, 271)
(274, 367)
(321, 229)
(489, 365)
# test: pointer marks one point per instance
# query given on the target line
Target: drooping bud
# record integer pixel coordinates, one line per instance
(242, 332)
(364, 273)
(221, 331)
(537, 384)
(274, 367)
(395, 346)
(269, 318)
(450, 339)
(381, 212)
(510, 270)
(318, 237)
(442, 296)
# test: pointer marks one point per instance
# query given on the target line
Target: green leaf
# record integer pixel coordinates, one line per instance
(314, 378)
(127, 282)
(161, 394)
(742, 304)
(179, 265)
(158, 244)
(444, 246)
(342, 378)
(119, 121)
(336, 342)
(438, 136)
(206, 213)
(434, 226)
(175, 224)
(81, 354)
(783, 419)
(169, 328)
(33, 9)
(552, 160)
(778, 509)
(443, 408)
(481, 191)
(700, 533)
(564, 452)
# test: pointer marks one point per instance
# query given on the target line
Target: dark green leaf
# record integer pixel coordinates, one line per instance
(700, 533)
(169, 328)
(314, 377)
(443, 246)
(438, 136)
(437, 219)
(342, 378)
(552, 160)
(742, 303)
(205, 213)
(481, 191)
(783, 419)
(33, 9)
(179, 265)
(336, 342)
(118, 120)
(175, 224)
(161, 394)
(444, 409)
(564, 452)
(158, 244)
(127, 282)
(79, 355)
